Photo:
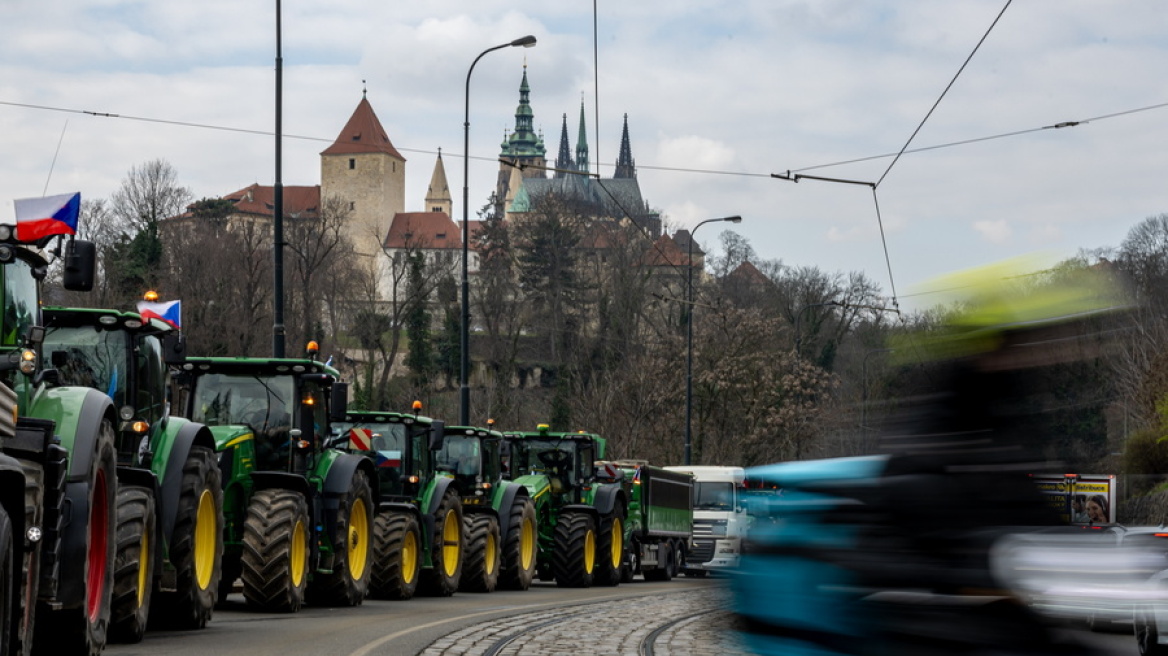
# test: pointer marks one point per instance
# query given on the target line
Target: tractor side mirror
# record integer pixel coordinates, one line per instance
(174, 349)
(80, 263)
(437, 435)
(338, 401)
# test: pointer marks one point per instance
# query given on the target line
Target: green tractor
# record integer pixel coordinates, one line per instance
(169, 501)
(298, 515)
(499, 515)
(419, 539)
(62, 537)
(581, 516)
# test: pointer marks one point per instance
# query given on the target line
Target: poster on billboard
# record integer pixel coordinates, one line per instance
(1080, 499)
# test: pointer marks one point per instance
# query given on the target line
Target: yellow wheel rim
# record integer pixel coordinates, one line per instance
(206, 538)
(299, 556)
(358, 543)
(527, 544)
(618, 542)
(589, 551)
(143, 566)
(492, 553)
(451, 543)
(409, 557)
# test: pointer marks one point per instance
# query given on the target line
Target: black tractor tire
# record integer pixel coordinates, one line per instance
(83, 631)
(397, 556)
(610, 549)
(574, 561)
(522, 547)
(134, 569)
(348, 583)
(480, 566)
(447, 546)
(276, 551)
(196, 546)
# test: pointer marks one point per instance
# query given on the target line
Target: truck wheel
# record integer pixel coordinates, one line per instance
(397, 556)
(446, 549)
(348, 583)
(664, 569)
(610, 549)
(196, 546)
(575, 554)
(134, 565)
(480, 568)
(518, 562)
(84, 630)
(276, 550)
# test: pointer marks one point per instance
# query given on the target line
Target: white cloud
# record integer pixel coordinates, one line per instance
(995, 232)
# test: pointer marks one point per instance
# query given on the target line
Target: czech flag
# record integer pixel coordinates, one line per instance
(37, 218)
(168, 311)
(388, 459)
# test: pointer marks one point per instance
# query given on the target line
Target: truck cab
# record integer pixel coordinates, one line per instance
(720, 518)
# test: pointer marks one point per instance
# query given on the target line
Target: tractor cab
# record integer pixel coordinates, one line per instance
(284, 405)
(568, 460)
(472, 457)
(400, 445)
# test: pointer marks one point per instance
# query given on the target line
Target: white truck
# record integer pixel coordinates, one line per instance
(720, 520)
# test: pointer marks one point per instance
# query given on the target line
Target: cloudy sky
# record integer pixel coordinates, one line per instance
(719, 96)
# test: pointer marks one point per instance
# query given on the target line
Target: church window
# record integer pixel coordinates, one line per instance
(352, 205)
(436, 209)
(352, 163)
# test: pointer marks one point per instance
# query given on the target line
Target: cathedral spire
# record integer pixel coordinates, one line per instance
(564, 162)
(523, 143)
(438, 195)
(582, 164)
(625, 166)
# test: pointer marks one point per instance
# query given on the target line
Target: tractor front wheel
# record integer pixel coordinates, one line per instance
(574, 562)
(276, 551)
(480, 571)
(610, 552)
(397, 556)
(133, 565)
(446, 549)
(519, 553)
(348, 583)
(196, 546)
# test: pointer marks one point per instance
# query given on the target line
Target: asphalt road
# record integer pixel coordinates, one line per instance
(375, 627)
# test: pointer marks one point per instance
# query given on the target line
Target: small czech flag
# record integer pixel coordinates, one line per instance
(360, 439)
(37, 218)
(168, 311)
(388, 459)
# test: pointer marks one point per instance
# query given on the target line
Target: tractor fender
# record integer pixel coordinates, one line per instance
(336, 486)
(81, 434)
(78, 413)
(174, 445)
(579, 507)
(439, 491)
(607, 498)
(267, 480)
(401, 507)
(511, 494)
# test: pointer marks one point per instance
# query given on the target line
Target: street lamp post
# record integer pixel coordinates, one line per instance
(689, 299)
(464, 337)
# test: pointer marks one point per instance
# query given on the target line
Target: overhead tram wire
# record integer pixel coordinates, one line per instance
(645, 167)
(875, 185)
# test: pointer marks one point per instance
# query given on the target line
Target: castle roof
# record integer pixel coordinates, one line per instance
(664, 253)
(363, 134)
(423, 230)
(299, 202)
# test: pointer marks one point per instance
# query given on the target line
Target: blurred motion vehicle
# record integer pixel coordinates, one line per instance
(937, 544)
(720, 520)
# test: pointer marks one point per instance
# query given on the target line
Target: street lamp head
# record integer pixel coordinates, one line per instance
(526, 42)
(733, 219)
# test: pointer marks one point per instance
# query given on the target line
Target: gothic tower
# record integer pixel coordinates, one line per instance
(582, 164)
(564, 161)
(523, 147)
(367, 174)
(438, 194)
(626, 167)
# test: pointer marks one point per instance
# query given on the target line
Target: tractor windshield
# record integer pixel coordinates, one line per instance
(20, 302)
(460, 455)
(386, 443)
(263, 403)
(567, 462)
(88, 356)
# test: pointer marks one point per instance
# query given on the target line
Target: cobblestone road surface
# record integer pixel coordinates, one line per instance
(691, 623)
